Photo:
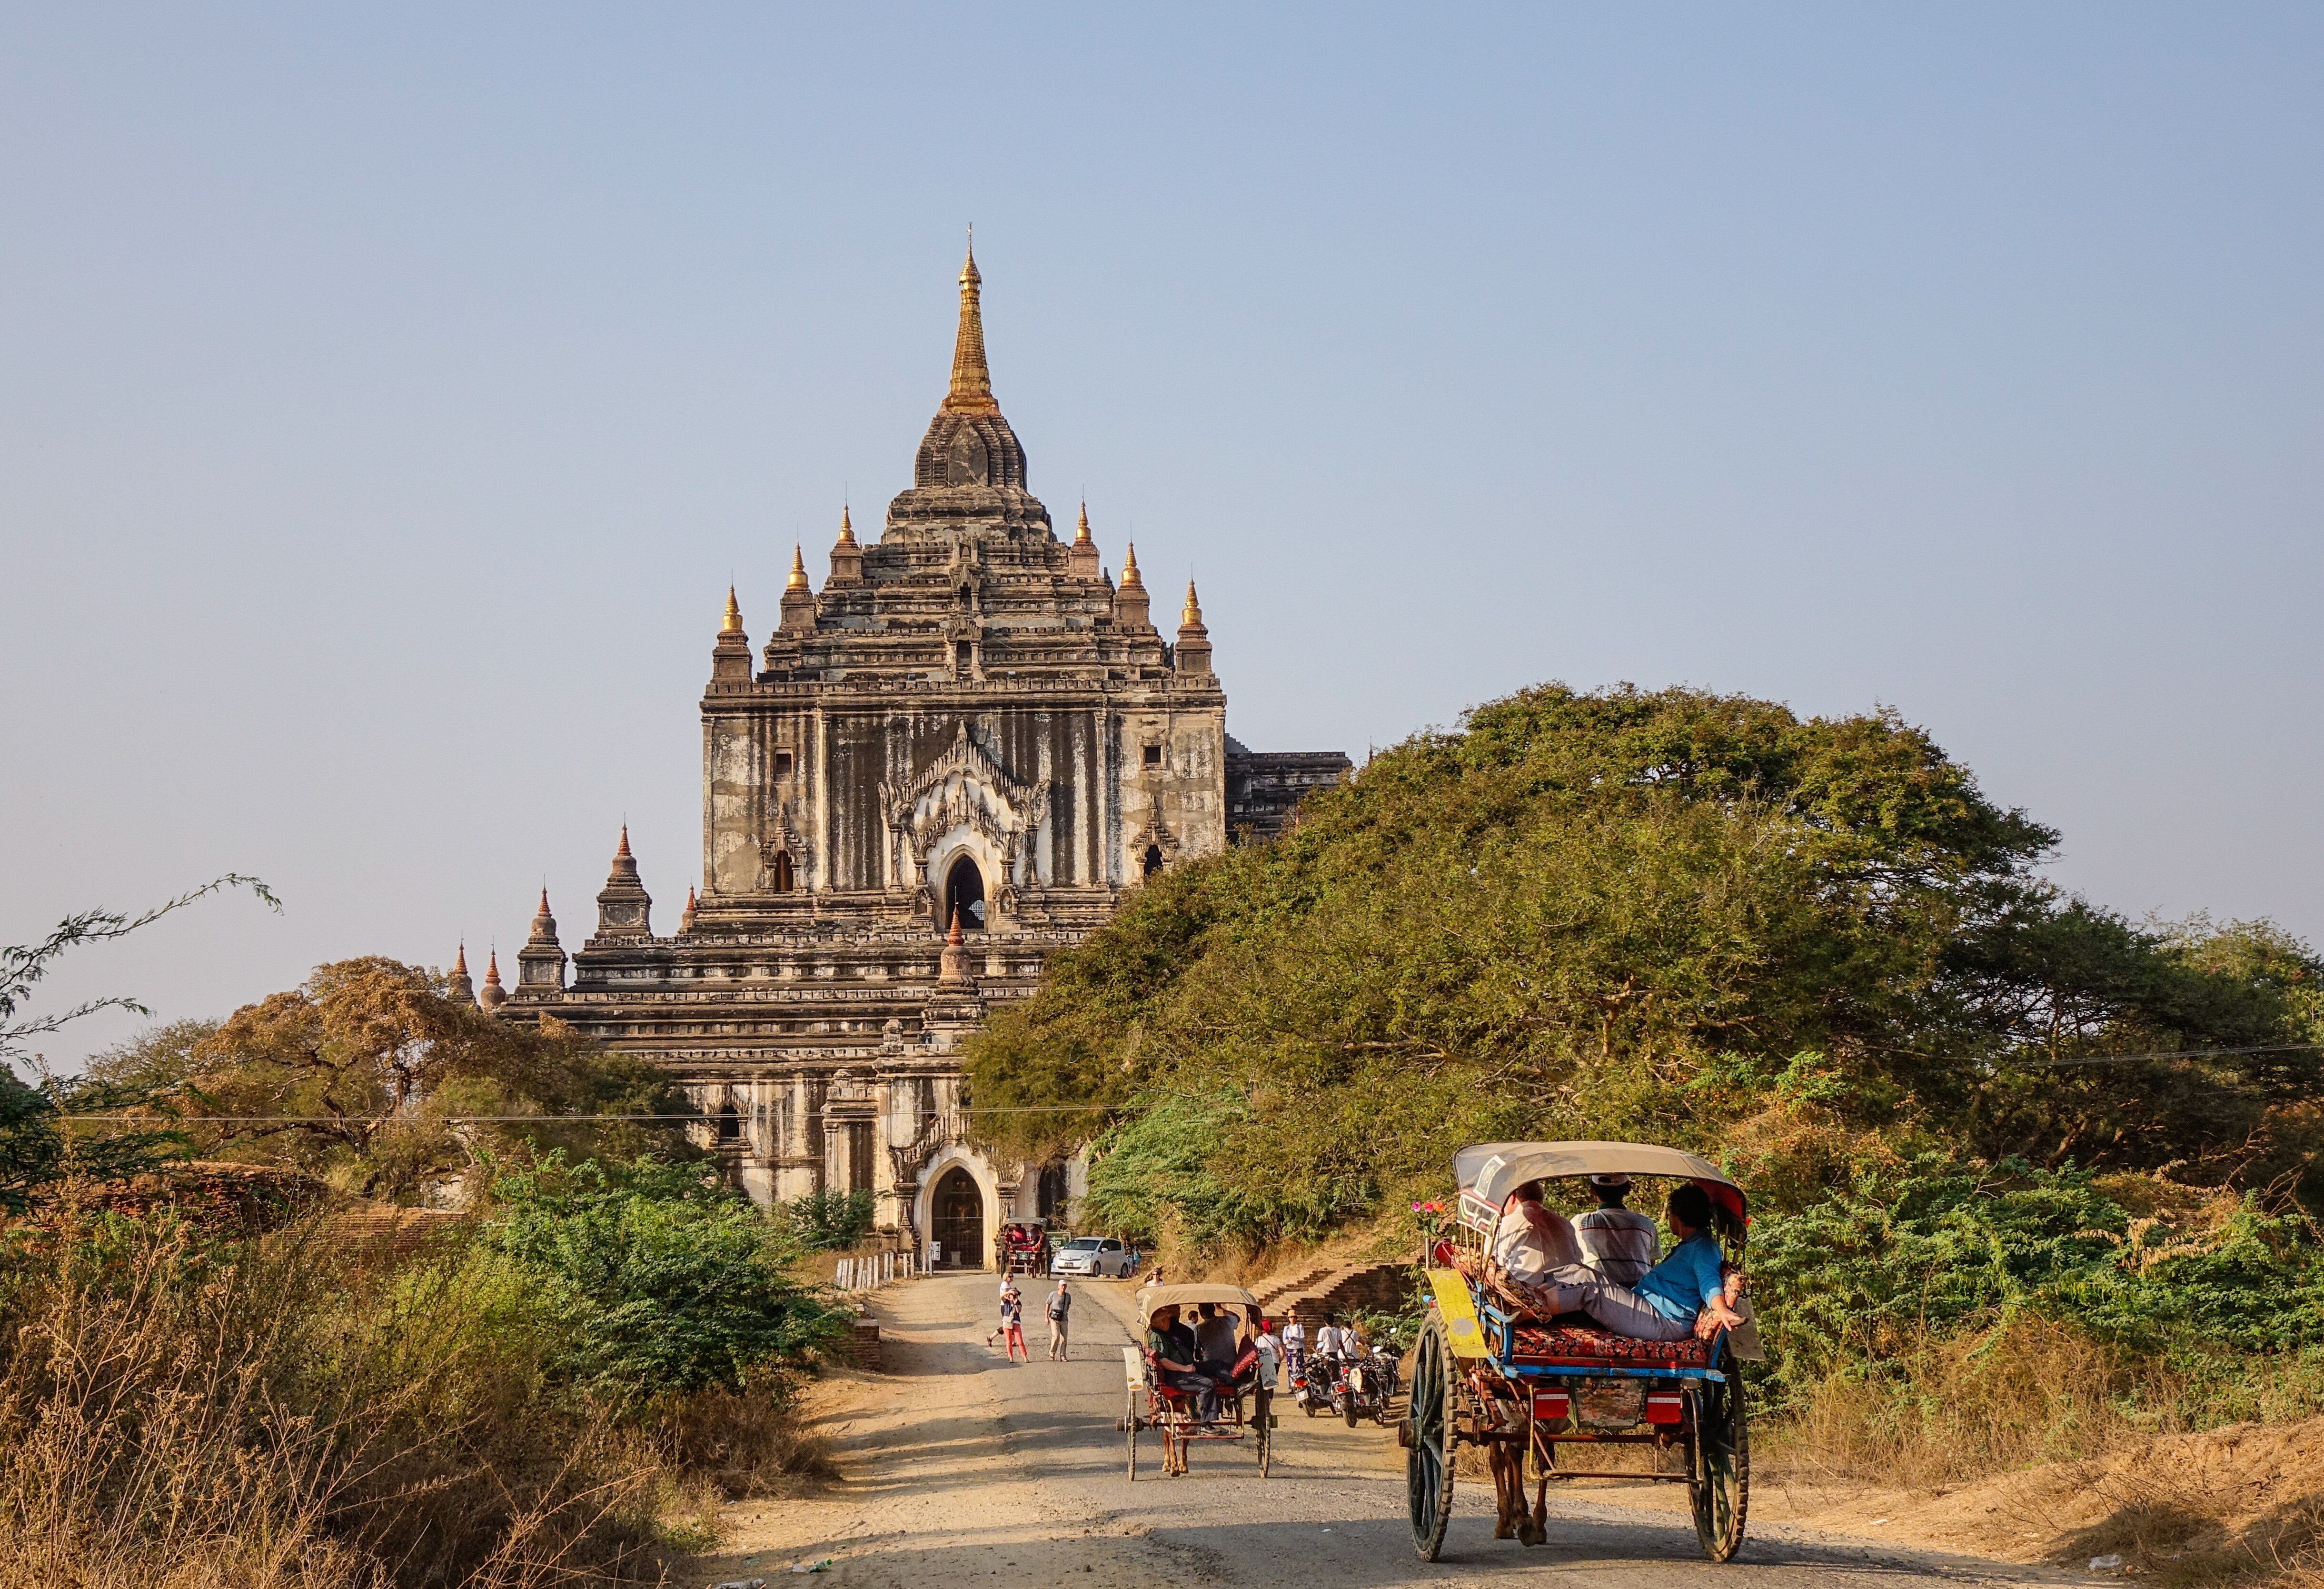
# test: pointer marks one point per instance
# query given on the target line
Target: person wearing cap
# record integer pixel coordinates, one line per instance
(1176, 1359)
(1619, 1242)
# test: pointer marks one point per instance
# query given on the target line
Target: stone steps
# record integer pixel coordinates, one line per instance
(1339, 1288)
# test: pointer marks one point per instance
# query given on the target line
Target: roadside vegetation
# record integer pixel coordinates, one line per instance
(2028, 1177)
(243, 1353)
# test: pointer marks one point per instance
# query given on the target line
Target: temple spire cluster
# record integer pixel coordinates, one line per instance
(952, 758)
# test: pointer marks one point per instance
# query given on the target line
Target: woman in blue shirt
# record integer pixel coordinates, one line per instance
(1676, 1294)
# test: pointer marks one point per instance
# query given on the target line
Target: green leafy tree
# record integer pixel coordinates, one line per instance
(662, 1283)
(825, 1220)
(1676, 916)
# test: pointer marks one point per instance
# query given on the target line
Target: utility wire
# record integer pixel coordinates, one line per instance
(500, 1119)
(2176, 1054)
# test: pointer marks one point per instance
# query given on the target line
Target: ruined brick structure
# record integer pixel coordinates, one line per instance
(971, 729)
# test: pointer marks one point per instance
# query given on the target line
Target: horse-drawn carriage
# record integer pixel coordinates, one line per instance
(1246, 1405)
(1489, 1371)
(1021, 1246)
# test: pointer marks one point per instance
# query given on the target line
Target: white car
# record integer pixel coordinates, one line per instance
(1092, 1255)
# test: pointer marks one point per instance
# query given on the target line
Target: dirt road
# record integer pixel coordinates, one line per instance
(959, 1469)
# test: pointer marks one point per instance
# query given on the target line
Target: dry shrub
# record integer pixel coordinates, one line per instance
(283, 1414)
(1943, 1411)
(746, 1444)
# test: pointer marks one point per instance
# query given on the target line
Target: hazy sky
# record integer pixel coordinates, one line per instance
(388, 393)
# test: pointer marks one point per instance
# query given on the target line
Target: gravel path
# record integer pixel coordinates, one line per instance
(960, 1469)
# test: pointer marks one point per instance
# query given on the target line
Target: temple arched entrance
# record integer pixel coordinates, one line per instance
(964, 893)
(956, 1219)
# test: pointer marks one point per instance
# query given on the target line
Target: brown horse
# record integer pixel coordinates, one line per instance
(1506, 1457)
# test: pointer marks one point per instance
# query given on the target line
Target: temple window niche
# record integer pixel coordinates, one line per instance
(781, 876)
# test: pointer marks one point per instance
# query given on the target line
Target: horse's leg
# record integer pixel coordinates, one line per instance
(1529, 1523)
(1540, 1492)
(1508, 1499)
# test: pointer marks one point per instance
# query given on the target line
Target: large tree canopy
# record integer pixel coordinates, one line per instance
(1673, 915)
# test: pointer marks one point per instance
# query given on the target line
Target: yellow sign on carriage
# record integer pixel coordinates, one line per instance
(1461, 1330)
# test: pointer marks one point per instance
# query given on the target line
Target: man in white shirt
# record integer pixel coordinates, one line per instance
(1295, 1337)
(1619, 1242)
(1531, 1242)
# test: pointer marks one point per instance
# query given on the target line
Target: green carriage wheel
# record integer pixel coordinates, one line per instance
(1718, 1480)
(1428, 1461)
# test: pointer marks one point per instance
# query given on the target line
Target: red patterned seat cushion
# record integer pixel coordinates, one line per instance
(1539, 1344)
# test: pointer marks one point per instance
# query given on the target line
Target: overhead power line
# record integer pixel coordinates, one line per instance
(2176, 1054)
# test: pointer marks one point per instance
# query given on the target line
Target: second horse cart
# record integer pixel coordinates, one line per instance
(1246, 1402)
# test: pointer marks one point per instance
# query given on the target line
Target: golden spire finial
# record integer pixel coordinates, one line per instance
(493, 968)
(846, 529)
(1191, 617)
(460, 960)
(972, 379)
(1130, 567)
(617, 853)
(733, 624)
(1081, 531)
(798, 581)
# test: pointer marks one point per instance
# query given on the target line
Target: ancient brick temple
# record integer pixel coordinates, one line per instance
(945, 765)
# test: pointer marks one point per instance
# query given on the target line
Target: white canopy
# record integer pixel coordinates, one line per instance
(1152, 1300)
(1494, 1169)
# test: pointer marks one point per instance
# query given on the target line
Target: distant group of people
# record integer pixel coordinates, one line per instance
(1010, 1330)
(1609, 1264)
(1208, 1354)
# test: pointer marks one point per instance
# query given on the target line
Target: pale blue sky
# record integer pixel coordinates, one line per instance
(387, 394)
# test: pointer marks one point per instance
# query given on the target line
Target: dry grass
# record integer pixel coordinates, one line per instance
(747, 1446)
(304, 1411)
(2025, 1393)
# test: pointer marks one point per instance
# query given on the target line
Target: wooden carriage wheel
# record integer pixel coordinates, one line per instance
(1130, 1423)
(1262, 1429)
(1428, 1460)
(1719, 1476)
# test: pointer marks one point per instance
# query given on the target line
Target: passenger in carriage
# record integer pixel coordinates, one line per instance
(1174, 1359)
(1619, 1242)
(1531, 1242)
(1686, 1294)
(1214, 1340)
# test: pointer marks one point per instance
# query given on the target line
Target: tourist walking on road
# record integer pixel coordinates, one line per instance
(1000, 1326)
(1061, 1304)
(1012, 1325)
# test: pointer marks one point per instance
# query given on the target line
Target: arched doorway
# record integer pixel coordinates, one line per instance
(964, 892)
(956, 1220)
(1153, 859)
(785, 875)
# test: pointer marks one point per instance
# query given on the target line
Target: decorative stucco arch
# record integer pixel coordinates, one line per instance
(989, 860)
(988, 1186)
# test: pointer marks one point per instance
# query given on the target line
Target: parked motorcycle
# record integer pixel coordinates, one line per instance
(1367, 1384)
(1312, 1379)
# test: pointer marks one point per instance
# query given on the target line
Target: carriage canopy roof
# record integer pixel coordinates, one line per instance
(1492, 1170)
(1153, 1301)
